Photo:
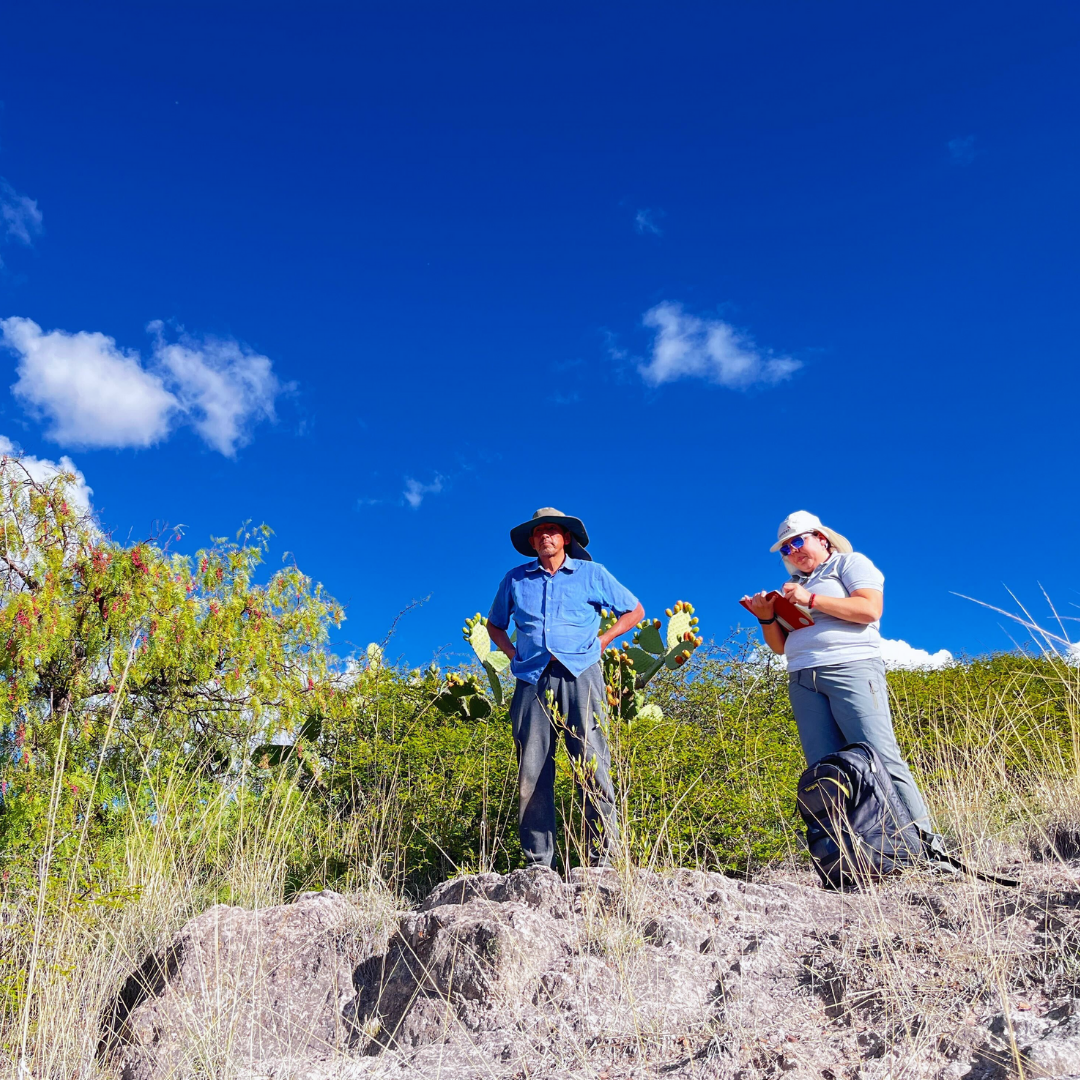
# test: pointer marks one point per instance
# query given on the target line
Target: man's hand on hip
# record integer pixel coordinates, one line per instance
(501, 640)
(625, 624)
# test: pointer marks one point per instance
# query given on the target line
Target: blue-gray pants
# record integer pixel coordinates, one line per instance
(845, 703)
(578, 709)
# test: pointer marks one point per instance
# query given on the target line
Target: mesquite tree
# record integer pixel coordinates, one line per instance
(116, 661)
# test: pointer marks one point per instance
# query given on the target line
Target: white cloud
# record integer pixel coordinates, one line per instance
(645, 223)
(92, 393)
(962, 151)
(899, 654)
(19, 215)
(41, 469)
(415, 491)
(687, 346)
(223, 387)
(96, 395)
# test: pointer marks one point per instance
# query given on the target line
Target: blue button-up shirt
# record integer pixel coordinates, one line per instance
(557, 615)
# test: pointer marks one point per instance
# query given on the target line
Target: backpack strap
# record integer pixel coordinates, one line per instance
(956, 864)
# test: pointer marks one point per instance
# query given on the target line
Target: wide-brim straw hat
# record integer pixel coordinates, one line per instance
(802, 521)
(579, 537)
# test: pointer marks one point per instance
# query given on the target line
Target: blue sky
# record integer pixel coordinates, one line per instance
(390, 276)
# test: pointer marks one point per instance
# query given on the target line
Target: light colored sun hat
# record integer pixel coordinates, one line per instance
(579, 537)
(802, 521)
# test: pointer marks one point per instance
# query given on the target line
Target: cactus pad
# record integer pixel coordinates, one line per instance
(475, 632)
(679, 623)
(463, 696)
(649, 638)
(478, 707)
(494, 661)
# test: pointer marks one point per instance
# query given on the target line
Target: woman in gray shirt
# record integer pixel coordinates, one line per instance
(836, 677)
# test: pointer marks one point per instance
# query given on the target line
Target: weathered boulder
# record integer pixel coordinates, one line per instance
(239, 985)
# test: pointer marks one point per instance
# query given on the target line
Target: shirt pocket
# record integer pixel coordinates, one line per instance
(572, 611)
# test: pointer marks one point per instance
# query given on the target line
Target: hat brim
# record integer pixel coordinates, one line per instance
(519, 535)
(839, 542)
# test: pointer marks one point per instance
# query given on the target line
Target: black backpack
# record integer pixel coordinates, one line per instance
(858, 829)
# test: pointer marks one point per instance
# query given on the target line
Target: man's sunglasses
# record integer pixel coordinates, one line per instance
(793, 545)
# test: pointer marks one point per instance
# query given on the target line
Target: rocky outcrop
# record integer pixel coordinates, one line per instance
(610, 975)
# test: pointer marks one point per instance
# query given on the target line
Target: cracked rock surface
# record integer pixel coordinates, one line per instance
(611, 975)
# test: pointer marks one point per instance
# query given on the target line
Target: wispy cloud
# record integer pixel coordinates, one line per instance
(613, 348)
(223, 387)
(899, 654)
(645, 222)
(19, 216)
(962, 151)
(94, 394)
(415, 492)
(689, 346)
(42, 469)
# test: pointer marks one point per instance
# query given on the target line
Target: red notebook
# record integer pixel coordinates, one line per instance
(790, 616)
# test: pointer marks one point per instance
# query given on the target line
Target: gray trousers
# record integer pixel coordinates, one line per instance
(577, 707)
(846, 703)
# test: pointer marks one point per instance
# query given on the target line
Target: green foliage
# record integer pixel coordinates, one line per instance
(1024, 710)
(709, 779)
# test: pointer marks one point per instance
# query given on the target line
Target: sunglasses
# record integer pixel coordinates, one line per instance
(793, 545)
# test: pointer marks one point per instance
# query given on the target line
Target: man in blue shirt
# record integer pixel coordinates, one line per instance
(555, 601)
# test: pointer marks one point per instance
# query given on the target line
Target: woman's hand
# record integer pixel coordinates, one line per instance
(760, 606)
(765, 610)
(796, 593)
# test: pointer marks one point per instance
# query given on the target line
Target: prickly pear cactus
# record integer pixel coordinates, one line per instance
(494, 661)
(628, 669)
(463, 696)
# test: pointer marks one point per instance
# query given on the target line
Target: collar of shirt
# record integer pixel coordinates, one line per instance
(803, 578)
(569, 565)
